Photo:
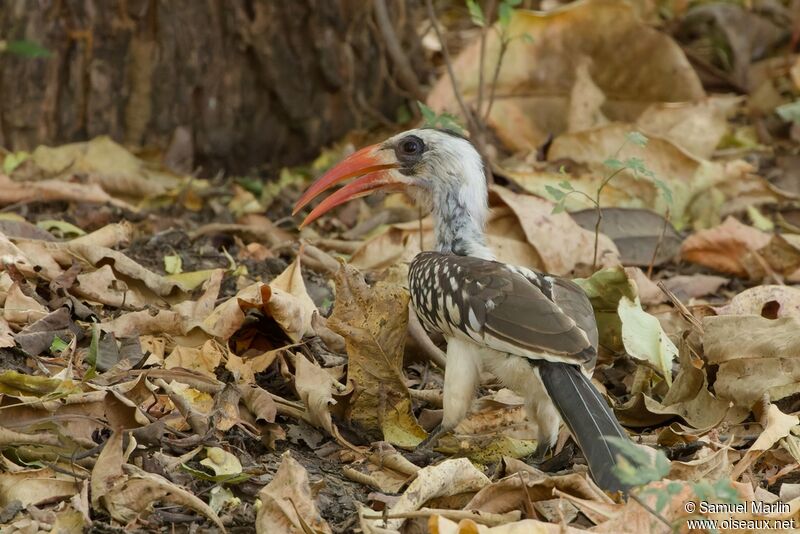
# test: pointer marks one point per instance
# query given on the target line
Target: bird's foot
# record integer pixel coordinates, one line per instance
(424, 454)
(424, 457)
(557, 462)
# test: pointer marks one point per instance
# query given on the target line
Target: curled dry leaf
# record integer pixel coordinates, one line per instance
(450, 477)
(373, 322)
(726, 248)
(537, 74)
(315, 387)
(259, 402)
(126, 492)
(287, 502)
(19, 308)
(35, 486)
(289, 303)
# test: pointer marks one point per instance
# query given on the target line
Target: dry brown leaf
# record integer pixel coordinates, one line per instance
(203, 360)
(691, 286)
(6, 334)
(12, 192)
(21, 309)
(450, 477)
(770, 301)
(96, 255)
(539, 224)
(755, 355)
(260, 403)
(104, 287)
(316, 387)
(725, 248)
(708, 466)
(688, 398)
(373, 322)
(524, 483)
(35, 486)
(115, 169)
(287, 503)
(537, 75)
(696, 127)
(289, 303)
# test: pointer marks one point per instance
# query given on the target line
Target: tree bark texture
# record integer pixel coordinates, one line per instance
(254, 82)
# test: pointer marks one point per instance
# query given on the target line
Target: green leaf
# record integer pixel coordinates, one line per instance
(476, 13)
(527, 38)
(14, 160)
(789, 112)
(644, 338)
(27, 49)
(557, 194)
(251, 184)
(638, 465)
(613, 164)
(504, 12)
(58, 345)
(637, 165)
(91, 356)
(665, 189)
(559, 207)
(427, 113)
(512, 3)
(636, 138)
(565, 185)
(450, 122)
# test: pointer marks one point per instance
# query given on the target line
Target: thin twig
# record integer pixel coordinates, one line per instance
(504, 42)
(484, 33)
(651, 510)
(449, 64)
(658, 245)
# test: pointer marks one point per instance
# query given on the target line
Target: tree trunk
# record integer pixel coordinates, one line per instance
(253, 82)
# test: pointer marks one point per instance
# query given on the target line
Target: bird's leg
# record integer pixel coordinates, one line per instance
(540, 408)
(461, 377)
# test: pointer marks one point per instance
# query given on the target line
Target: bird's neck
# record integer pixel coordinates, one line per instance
(459, 219)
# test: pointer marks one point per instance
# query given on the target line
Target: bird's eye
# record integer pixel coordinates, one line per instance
(410, 146)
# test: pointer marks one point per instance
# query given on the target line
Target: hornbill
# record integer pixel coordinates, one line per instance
(535, 332)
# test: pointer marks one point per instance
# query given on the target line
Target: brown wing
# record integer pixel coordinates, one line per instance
(505, 308)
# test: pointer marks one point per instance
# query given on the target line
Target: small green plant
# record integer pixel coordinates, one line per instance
(445, 120)
(616, 166)
(505, 11)
(638, 467)
(476, 117)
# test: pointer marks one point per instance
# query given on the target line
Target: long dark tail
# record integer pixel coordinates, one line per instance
(589, 420)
